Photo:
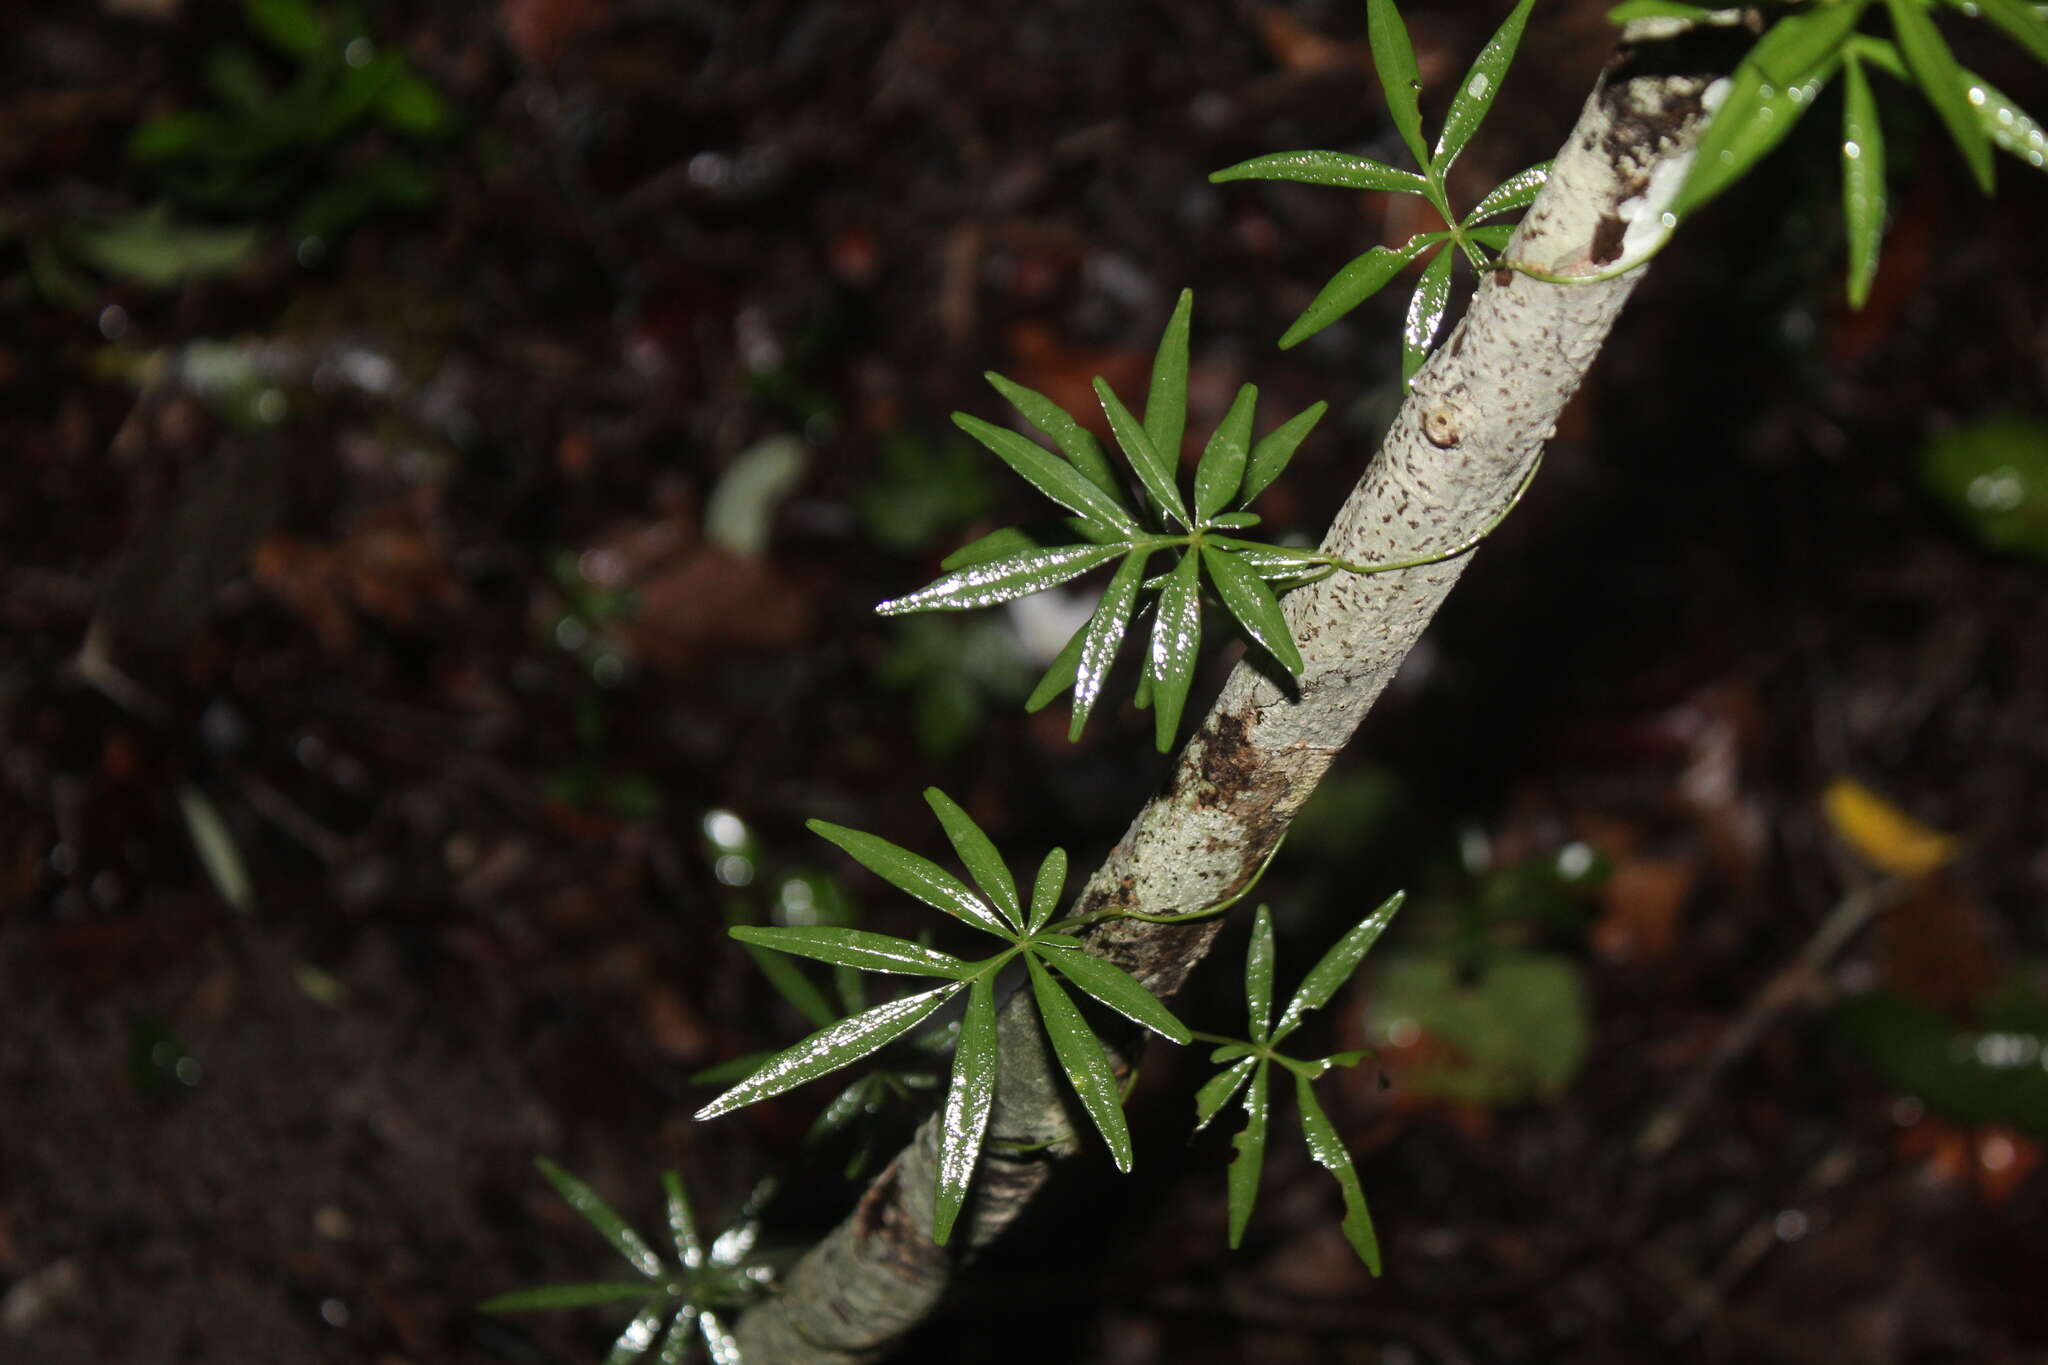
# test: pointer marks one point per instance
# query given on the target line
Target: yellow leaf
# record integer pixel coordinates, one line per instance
(1883, 835)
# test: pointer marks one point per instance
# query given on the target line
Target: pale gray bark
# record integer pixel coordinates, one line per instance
(1476, 420)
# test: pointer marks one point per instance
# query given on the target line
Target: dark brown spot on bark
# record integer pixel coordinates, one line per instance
(1607, 240)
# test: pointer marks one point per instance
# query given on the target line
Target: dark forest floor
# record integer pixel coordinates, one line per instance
(434, 563)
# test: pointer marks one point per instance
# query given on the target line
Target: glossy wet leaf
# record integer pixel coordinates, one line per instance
(1393, 56)
(1336, 966)
(1011, 541)
(719, 1342)
(640, 1332)
(1271, 454)
(1249, 1158)
(1518, 191)
(1993, 1072)
(829, 1049)
(1258, 975)
(856, 948)
(1221, 472)
(2023, 23)
(1325, 168)
(2009, 127)
(1758, 110)
(906, 871)
(1075, 441)
(1425, 314)
(1082, 1057)
(1863, 189)
(1103, 636)
(1943, 82)
(675, 1345)
(1352, 285)
(1166, 402)
(1004, 580)
(1118, 989)
(968, 1101)
(1176, 638)
(1327, 1148)
(1496, 237)
(1063, 672)
(1049, 474)
(601, 1216)
(977, 855)
(1245, 595)
(552, 1297)
(1482, 83)
(1220, 1089)
(1658, 9)
(682, 1222)
(1046, 888)
(1154, 467)
(1793, 52)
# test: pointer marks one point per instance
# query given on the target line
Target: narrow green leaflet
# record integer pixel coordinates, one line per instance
(1075, 441)
(1270, 457)
(1335, 169)
(1048, 473)
(829, 1049)
(1943, 82)
(1328, 1149)
(968, 1102)
(1356, 282)
(719, 1342)
(1394, 57)
(1518, 191)
(1425, 314)
(1046, 888)
(1658, 9)
(1004, 580)
(1759, 109)
(1166, 402)
(1083, 1058)
(1221, 472)
(1863, 192)
(1064, 671)
(1482, 83)
(977, 855)
(1791, 53)
(552, 1297)
(640, 1332)
(1250, 1154)
(2005, 123)
(1220, 1089)
(907, 872)
(682, 1222)
(1153, 466)
(856, 948)
(1258, 976)
(1119, 990)
(1103, 634)
(1176, 636)
(2022, 22)
(603, 1217)
(1328, 976)
(1245, 595)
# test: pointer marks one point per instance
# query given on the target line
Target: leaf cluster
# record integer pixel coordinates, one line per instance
(1783, 74)
(689, 1294)
(1470, 235)
(266, 143)
(1025, 928)
(1114, 521)
(1249, 1062)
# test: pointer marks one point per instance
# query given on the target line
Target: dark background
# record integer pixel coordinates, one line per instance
(421, 602)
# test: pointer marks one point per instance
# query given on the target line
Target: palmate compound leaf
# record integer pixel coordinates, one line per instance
(1109, 525)
(1247, 1066)
(970, 1095)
